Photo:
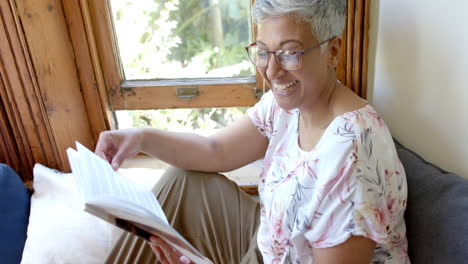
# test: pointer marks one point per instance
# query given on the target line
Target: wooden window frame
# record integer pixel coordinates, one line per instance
(158, 94)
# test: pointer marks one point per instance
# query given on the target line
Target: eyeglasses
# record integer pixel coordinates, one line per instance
(288, 60)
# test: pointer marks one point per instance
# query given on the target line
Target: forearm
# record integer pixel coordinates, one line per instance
(183, 150)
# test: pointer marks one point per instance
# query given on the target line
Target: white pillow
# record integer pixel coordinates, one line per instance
(59, 231)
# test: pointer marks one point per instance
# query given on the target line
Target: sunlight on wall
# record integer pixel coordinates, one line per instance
(418, 76)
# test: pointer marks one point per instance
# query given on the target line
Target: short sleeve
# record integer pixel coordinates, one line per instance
(262, 114)
(365, 197)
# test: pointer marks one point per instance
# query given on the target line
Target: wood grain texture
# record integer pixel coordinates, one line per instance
(47, 37)
(136, 96)
(341, 68)
(9, 152)
(88, 65)
(106, 43)
(357, 46)
(26, 134)
(260, 84)
(350, 42)
(365, 48)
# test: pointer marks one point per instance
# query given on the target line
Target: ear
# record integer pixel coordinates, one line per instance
(334, 51)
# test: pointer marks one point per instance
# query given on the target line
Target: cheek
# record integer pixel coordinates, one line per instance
(309, 77)
(312, 79)
(314, 71)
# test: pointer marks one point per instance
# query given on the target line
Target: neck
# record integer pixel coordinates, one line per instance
(319, 113)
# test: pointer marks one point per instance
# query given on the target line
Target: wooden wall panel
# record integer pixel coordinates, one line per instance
(46, 34)
(9, 152)
(26, 135)
(357, 38)
(42, 108)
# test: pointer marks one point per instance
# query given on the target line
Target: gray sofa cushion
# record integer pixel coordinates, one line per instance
(437, 212)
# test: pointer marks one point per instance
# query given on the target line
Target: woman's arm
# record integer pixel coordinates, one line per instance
(232, 147)
(356, 250)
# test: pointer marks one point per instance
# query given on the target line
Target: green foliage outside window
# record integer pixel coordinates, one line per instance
(185, 119)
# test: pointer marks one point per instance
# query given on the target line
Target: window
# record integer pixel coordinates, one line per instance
(173, 40)
(182, 55)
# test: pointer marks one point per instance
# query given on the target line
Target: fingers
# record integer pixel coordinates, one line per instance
(109, 149)
(118, 145)
(103, 146)
(185, 260)
(124, 152)
(165, 252)
(159, 254)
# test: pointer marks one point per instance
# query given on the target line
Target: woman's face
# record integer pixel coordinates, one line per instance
(299, 88)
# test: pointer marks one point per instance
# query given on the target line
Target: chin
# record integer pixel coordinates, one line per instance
(288, 101)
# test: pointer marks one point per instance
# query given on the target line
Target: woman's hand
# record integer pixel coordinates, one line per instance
(117, 145)
(165, 253)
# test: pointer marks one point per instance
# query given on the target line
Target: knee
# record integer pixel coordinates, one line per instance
(175, 175)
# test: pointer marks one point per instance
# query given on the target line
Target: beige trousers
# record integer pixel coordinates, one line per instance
(209, 210)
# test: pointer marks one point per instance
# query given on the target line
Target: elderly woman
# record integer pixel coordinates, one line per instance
(332, 189)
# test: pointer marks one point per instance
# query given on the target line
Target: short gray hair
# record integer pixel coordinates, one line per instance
(326, 17)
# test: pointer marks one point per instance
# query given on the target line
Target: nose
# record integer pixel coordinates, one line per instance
(273, 69)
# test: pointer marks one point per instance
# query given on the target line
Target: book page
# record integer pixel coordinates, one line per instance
(97, 180)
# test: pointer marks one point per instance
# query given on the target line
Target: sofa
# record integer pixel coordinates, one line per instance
(436, 216)
(437, 212)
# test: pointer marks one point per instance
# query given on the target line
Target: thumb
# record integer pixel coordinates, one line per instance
(116, 162)
(118, 159)
(122, 154)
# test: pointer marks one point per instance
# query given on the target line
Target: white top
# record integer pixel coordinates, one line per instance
(351, 183)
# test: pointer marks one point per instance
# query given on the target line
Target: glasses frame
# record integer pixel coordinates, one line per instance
(278, 52)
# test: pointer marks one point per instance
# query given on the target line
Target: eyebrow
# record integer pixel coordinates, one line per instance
(282, 42)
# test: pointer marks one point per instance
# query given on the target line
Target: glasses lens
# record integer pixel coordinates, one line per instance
(258, 56)
(289, 60)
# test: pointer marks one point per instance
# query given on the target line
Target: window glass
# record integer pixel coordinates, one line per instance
(203, 120)
(161, 39)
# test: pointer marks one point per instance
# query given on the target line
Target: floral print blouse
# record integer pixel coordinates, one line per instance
(351, 184)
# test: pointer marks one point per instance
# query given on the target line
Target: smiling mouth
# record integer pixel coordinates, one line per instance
(287, 87)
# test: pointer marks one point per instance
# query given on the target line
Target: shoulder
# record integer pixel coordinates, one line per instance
(365, 133)
(373, 146)
(345, 100)
(358, 115)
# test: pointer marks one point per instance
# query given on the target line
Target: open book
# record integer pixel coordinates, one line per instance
(115, 199)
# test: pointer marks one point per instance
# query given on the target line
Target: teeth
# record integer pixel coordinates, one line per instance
(285, 87)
